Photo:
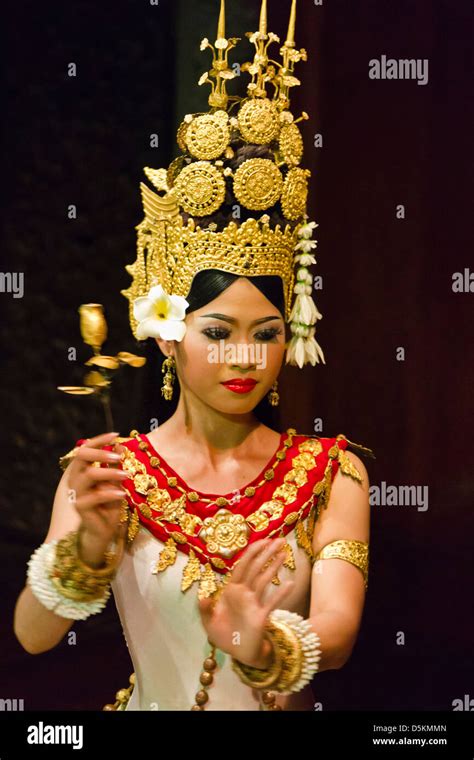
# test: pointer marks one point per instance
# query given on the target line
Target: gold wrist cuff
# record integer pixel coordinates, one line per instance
(259, 678)
(287, 642)
(285, 668)
(76, 580)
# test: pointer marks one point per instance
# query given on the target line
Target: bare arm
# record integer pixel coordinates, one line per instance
(337, 586)
(37, 628)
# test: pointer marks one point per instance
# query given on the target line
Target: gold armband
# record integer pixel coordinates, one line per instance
(355, 552)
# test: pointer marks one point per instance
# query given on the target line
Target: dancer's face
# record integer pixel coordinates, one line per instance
(246, 340)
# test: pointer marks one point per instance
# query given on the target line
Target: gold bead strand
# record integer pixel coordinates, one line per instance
(206, 678)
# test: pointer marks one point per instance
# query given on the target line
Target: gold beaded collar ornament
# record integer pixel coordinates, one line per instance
(171, 251)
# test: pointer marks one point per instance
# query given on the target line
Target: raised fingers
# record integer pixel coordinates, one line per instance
(101, 474)
(247, 557)
(91, 451)
(103, 495)
(265, 576)
(257, 566)
(253, 559)
(100, 440)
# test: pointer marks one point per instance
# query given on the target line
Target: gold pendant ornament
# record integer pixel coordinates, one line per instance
(208, 135)
(168, 367)
(225, 533)
(259, 121)
(273, 395)
(200, 187)
(295, 193)
(258, 183)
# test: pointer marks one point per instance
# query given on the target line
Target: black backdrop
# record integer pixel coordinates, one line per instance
(387, 283)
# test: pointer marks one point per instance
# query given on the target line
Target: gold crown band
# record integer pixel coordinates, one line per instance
(250, 249)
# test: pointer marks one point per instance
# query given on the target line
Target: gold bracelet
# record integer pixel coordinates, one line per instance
(295, 645)
(76, 580)
(287, 642)
(285, 668)
(260, 678)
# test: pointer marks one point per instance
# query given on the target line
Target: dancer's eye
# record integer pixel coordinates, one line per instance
(220, 333)
(269, 333)
(216, 333)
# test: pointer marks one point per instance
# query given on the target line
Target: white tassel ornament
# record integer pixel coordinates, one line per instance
(303, 347)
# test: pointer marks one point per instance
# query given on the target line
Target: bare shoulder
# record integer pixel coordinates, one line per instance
(347, 513)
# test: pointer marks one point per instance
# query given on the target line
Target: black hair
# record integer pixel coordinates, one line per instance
(151, 408)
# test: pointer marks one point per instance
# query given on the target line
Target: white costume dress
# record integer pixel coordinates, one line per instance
(167, 641)
(177, 537)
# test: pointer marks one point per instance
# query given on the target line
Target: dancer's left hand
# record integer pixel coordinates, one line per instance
(235, 622)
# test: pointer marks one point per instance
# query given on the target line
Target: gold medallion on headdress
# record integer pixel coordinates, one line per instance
(291, 144)
(259, 121)
(295, 193)
(200, 188)
(258, 183)
(208, 135)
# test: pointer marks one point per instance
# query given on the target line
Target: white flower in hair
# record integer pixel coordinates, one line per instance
(160, 315)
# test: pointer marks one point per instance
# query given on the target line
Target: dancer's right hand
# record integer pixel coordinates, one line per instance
(97, 494)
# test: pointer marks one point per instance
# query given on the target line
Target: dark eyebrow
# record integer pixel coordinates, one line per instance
(233, 321)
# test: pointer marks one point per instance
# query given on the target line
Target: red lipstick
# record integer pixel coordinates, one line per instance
(240, 385)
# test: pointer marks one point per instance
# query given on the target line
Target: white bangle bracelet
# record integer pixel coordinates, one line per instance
(310, 645)
(40, 566)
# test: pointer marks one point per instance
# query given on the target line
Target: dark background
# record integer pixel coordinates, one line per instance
(387, 283)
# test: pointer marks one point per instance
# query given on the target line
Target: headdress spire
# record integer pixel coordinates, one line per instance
(263, 18)
(221, 23)
(290, 55)
(290, 36)
(220, 71)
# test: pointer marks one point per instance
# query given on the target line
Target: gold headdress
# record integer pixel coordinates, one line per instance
(173, 247)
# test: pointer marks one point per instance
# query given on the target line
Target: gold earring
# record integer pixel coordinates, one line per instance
(273, 395)
(168, 366)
